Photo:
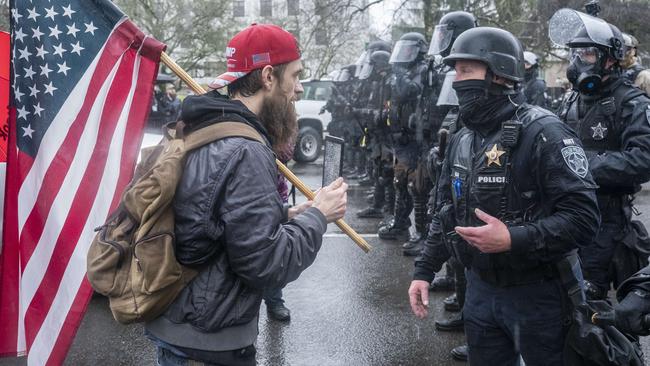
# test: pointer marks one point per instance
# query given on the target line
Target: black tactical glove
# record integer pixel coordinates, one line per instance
(630, 313)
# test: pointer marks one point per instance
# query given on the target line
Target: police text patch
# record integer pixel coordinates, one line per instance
(576, 160)
(490, 179)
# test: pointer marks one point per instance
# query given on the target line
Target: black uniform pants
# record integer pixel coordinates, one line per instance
(502, 323)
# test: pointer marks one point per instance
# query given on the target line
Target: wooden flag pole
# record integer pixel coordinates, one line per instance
(198, 89)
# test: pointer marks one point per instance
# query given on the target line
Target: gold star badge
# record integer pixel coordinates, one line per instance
(494, 155)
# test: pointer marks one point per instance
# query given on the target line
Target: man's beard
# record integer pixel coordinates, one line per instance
(278, 116)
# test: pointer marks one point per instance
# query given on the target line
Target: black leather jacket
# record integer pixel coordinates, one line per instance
(230, 224)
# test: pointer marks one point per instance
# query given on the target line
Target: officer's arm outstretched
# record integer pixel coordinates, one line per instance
(435, 252)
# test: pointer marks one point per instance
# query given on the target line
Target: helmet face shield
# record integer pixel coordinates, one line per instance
(404, 51)
(363, 59)
(344, 75)
(447, 96)
(440, 40)
(568, 26)
(366, 71)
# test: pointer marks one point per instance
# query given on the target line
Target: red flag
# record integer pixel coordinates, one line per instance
(82, 82)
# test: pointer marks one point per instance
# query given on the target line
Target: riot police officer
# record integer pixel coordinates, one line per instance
(378, 75)
(409, 67)
(632, 69)
(366, 86)
(534, 88)
(514, 198)
(338, 102)
(611, 118)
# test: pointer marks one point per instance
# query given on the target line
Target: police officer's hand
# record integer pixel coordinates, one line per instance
(419, 298)
(491, 238)
(322, 110)
(630, 314)
(332, 200)
(298, 209)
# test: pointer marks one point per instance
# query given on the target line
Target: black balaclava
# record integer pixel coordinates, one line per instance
(483, 105)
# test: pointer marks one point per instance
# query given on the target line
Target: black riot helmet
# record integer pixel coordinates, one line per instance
(346, 73)
(591, 41)
(364, 71)
(378, 46)
(409, 47)
(378, 63)
(499, 49)
(450, 26)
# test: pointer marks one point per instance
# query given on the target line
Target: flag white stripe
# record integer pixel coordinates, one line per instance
(76, 269)
(52, 140)
(37, 265)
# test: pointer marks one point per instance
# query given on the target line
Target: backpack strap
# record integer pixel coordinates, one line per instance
(220, 131)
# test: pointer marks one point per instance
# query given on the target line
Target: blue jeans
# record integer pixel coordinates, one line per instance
(242, 357)
(170, 355)
(503, 323)
(273, 297)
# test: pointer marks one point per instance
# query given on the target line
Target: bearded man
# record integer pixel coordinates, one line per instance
(231, 224)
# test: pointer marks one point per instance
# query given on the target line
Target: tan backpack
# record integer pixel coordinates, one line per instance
(132, 259)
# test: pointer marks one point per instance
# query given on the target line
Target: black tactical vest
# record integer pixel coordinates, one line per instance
(487, 176)
(598, 124)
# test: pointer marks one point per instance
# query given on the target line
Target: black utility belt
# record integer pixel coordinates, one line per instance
(507, 277)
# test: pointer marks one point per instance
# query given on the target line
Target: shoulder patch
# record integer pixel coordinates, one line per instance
(647, 114)
(568, 142)
(576, 160)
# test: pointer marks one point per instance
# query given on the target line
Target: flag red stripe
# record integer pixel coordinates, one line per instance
(71, 324)
(56, 172)
(9, 271)
(83, 201)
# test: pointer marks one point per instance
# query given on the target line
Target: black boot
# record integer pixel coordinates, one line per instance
(403, 206)
(397, 231)
(460, 353)
(279, 312)
(454, 323)
(414, 239)
(445, 282)
(388, 220)
(414, 250)
(451, 303)
(442, 283)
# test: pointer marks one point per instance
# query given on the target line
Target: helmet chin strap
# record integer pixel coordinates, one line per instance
(493, 88)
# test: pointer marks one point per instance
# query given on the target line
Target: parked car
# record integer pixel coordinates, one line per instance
(311, 124)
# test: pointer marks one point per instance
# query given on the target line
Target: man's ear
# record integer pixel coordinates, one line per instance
(267, 77)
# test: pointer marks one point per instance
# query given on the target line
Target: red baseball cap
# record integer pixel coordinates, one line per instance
(257, 46)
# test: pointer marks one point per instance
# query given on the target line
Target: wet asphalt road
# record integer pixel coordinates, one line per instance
(348, 308)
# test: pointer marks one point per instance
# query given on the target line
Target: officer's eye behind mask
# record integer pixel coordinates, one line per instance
(585, 71)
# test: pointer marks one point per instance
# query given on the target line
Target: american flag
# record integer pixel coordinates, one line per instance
(82, 82)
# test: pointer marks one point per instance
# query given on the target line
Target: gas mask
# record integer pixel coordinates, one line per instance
(586, 69)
